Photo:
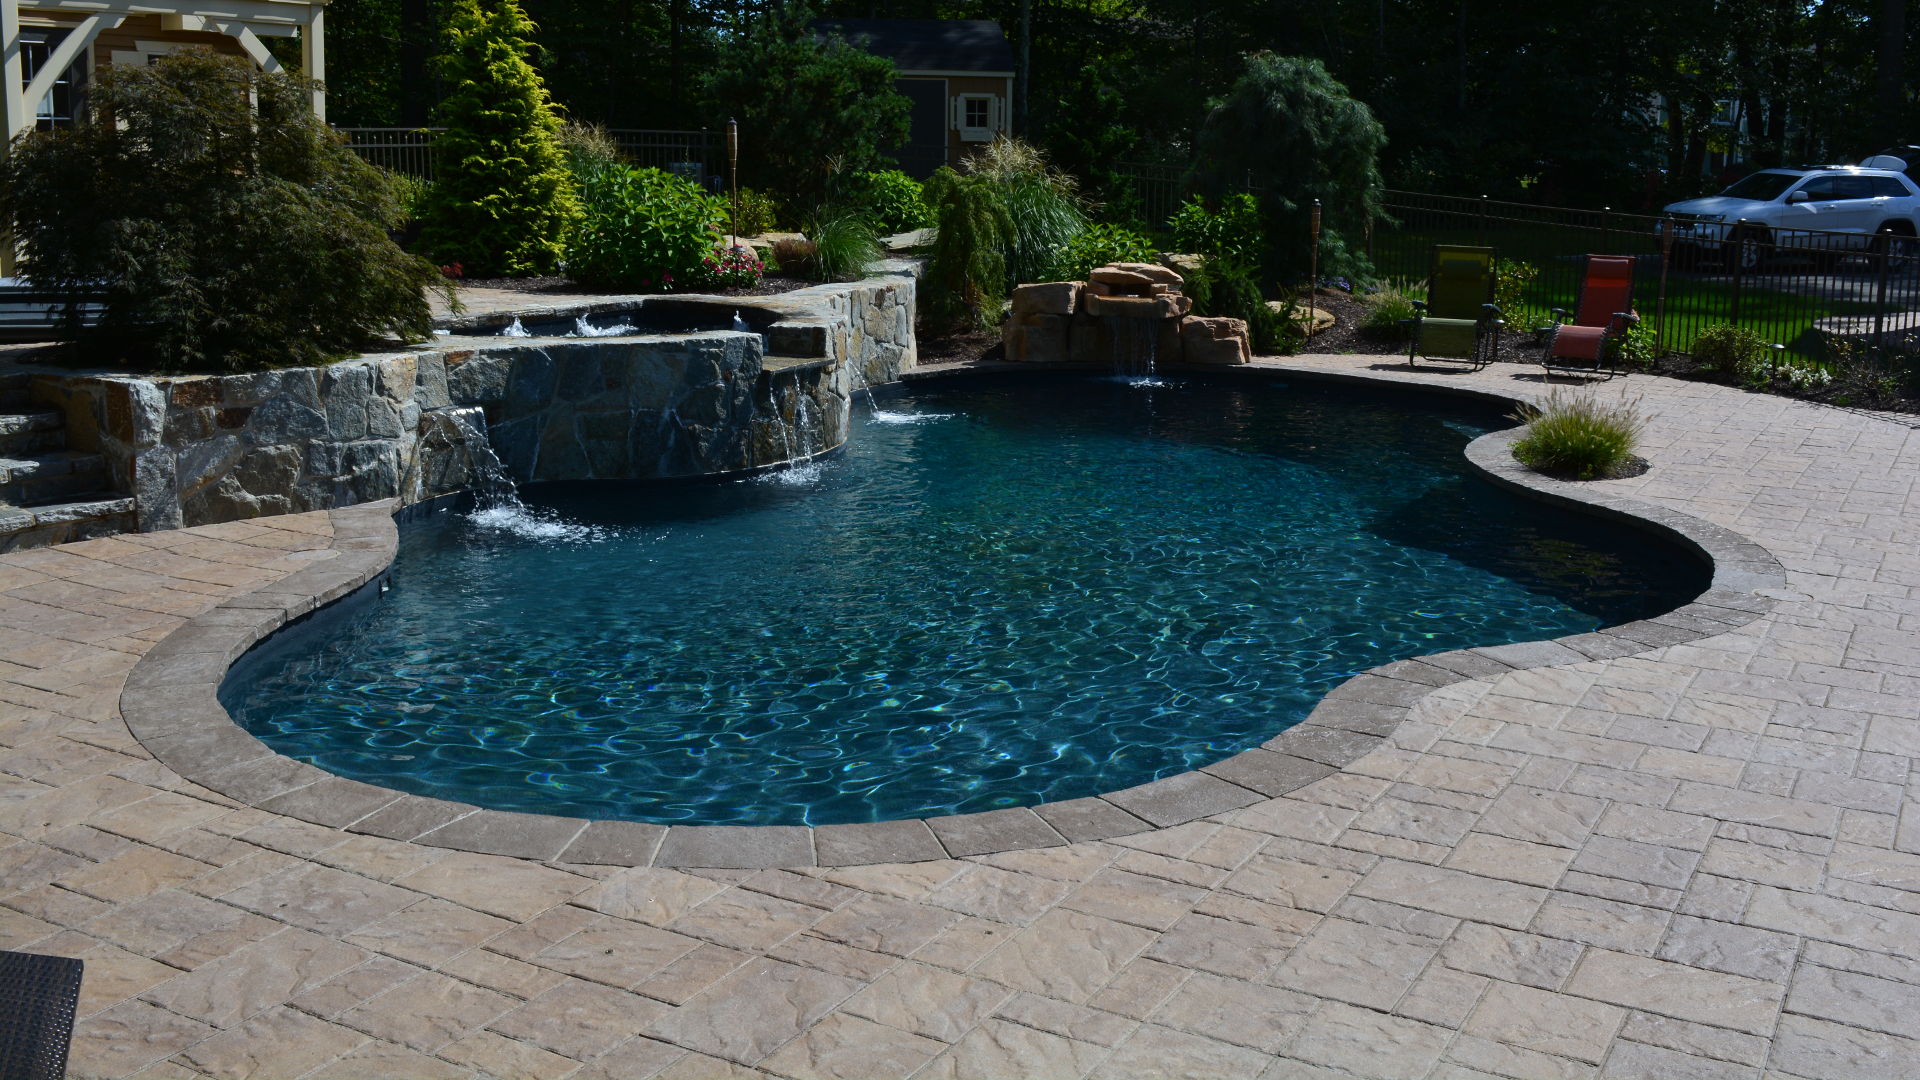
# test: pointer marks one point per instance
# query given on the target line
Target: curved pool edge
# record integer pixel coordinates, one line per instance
(170, 703)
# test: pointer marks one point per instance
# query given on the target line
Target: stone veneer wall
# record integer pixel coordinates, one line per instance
(195, 450)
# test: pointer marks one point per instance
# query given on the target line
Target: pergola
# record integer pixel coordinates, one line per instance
(247, 22)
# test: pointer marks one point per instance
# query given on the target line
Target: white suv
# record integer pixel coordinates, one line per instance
(1826, 211)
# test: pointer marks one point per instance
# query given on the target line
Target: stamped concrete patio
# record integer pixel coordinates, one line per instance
(1702, 860)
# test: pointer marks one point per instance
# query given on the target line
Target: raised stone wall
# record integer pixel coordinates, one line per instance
(195, 450)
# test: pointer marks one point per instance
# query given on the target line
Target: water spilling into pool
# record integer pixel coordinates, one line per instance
(1001, 593)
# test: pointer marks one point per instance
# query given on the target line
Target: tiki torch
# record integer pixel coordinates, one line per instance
(1313, 272)
(733, 176)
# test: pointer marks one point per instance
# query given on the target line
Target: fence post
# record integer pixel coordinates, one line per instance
(1731, 250)
(1483, 221)
(1606, 229)
(1660, 304)
(1882, 256)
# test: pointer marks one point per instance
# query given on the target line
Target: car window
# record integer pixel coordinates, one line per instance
(1762, 186)
(1887, 186)
(1822, 188)
(1855, 187)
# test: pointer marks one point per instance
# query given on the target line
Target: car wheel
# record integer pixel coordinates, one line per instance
(1895, 244)
(1749, 249)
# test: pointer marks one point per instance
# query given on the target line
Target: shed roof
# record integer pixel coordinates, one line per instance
(930, 44)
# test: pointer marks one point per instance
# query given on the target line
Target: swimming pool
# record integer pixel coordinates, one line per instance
(1002, 593)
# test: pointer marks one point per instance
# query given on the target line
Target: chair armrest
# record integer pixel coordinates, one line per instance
(1420, 306)
(1565, 315)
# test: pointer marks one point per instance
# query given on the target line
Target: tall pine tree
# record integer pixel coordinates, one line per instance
(502, 198)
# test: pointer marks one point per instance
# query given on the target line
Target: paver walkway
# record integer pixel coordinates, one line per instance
(1703, 861)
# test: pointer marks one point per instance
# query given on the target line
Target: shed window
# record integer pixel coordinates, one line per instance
(978, 116)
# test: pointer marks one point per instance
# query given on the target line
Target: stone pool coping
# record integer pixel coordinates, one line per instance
(171, 703)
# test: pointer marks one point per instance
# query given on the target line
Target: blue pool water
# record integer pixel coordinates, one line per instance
(1001, 593)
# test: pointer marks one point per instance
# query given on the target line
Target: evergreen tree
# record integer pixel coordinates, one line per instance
(502, 199)
(811, 107)
(1291, 130)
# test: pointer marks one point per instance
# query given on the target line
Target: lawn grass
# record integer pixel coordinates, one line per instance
(1694, 300)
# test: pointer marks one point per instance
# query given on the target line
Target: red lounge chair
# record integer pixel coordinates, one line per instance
(1590, 343)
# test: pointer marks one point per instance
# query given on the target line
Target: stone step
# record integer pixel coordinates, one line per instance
(55, 476)
(85, 517)
(27, 433)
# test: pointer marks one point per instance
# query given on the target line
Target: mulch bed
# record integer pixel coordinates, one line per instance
(558, 284)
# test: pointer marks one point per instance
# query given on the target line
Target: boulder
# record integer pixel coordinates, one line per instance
(1121, 279)
(1216, 341)
(1137, 307)
(1152, 272)
(1184, 265)
(1046, 298)
(1036, 338)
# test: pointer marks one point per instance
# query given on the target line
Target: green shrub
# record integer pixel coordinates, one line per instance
(1232, 291)
(893, 201)
(1388, 307)
(642, 229)
(1634, 349)
(966, 276)
(410, 193)
(759, 213)
(223, 227)
(1727, 347)
(1510, 280)
(502, 199)
(1098, 245)
(844, 247)
(1233, 231)
(1039, 200)
(1574, 435)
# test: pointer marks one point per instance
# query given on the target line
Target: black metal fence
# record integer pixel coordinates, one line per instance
(693, 154)
(1803, 289)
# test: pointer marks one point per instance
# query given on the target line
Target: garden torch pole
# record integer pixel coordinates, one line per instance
(733, 176)
(1313, 271)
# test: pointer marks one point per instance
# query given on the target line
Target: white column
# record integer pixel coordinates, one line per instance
(14, 73)
(313, 56)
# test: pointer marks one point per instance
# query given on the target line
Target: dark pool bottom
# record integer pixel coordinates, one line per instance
(1003, 593)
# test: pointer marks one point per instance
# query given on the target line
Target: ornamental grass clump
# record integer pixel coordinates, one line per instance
(1573, 435)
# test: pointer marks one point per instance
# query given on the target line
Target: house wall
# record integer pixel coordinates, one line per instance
(957, 85)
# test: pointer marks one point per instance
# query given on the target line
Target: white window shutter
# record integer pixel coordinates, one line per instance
(957, 107)
(997, 114)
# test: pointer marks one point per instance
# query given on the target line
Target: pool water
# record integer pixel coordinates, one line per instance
(1001, 593)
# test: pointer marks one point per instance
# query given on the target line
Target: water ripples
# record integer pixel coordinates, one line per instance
(1022, 593)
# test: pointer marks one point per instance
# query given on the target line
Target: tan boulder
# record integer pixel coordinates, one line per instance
(1184, 265)
(1136, 307)
(1046, 298)
(1125, 280)
(1095, 288)
(1152, 272)
(1036, 338)
(1214, 341)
